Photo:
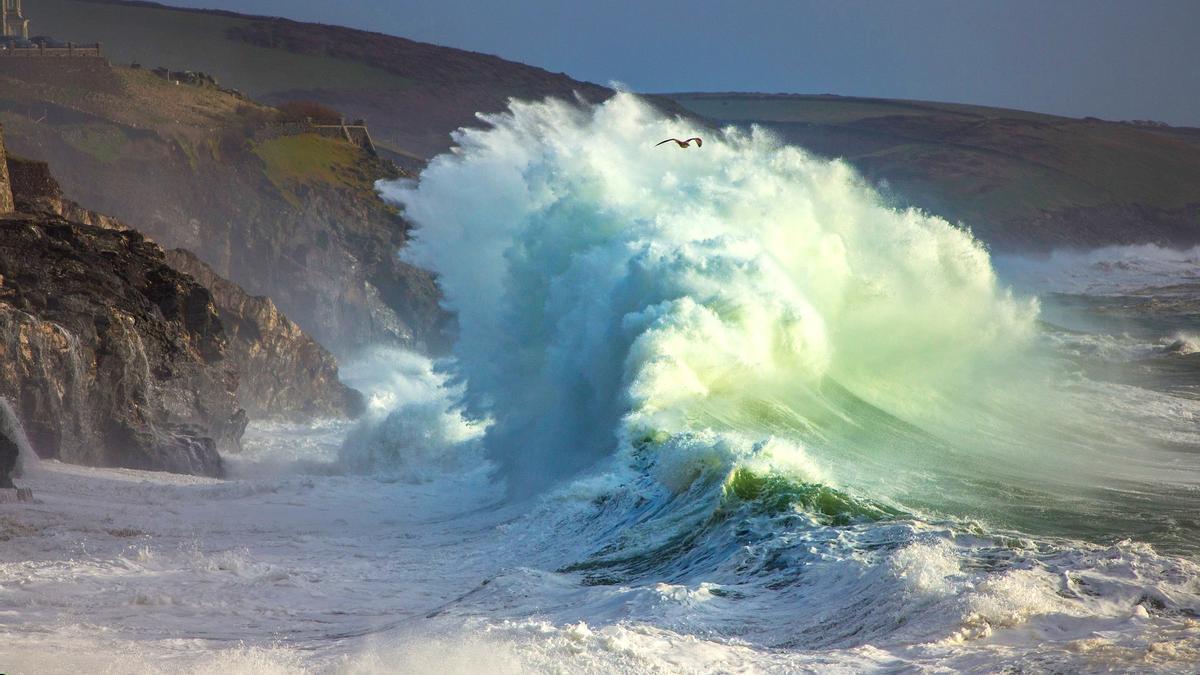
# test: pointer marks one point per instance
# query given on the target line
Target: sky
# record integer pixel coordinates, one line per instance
(1109, 59)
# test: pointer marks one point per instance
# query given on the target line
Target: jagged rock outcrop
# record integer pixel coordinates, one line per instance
(36, 191)
(6, 198)
(283, 372)
(110, 356)
(15, 453)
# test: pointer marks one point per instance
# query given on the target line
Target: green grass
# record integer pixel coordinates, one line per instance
(311, 160)
(104, 142)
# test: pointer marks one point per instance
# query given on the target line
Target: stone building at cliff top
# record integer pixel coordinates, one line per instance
(12, 22)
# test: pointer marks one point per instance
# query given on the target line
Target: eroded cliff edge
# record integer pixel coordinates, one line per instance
(109, 356)
(284, 373)
(114, 352)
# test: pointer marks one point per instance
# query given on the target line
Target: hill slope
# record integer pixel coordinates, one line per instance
(1021, 180)
(412, 93)
(292, 216)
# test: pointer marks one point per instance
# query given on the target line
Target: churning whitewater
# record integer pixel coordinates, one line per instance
(715, 409)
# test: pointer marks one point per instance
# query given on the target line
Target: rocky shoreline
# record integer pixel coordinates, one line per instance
(109, 356)
(114, 352)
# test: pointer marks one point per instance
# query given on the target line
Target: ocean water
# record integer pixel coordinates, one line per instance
(715, 410)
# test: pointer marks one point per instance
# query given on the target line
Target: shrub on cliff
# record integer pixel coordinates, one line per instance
(301, 111)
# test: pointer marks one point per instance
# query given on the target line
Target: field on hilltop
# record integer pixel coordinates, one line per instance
(1021, 180)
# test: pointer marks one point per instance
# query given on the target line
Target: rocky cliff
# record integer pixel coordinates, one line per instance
(283, 373)
(109, 356)
(9, 450)
(293, 217)
(34, 188)
(115, 353)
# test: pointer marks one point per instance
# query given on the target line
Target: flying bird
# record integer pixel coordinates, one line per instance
(683, 144)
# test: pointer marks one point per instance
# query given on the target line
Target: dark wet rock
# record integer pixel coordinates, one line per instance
(9, 452)
(34, 188)
(282, 372)
(110, 356)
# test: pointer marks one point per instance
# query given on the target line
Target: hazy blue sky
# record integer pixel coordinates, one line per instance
(1118, 60)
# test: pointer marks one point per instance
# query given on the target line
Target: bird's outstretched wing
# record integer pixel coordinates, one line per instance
(666, 141)
(699, 141)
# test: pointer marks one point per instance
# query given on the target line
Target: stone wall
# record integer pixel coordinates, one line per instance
(70, 51)
(6, 198)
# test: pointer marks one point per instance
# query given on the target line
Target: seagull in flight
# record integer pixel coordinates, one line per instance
(683, 144)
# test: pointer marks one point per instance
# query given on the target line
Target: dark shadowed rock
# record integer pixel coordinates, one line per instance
(282, 372)
(9, 453)
(15, 452)
(110, 356)
(34, 188)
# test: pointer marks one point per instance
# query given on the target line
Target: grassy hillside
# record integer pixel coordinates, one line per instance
(412, 94)
(1019, 179)
(293, 217)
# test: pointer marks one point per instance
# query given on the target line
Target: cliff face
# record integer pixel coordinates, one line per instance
(9, 450)
(295, 218)
(6, 198)
(109, 355)
(283, 372)
(34, 188)
(114, 353)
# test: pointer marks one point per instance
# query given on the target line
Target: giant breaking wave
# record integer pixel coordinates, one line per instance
(744, 314)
